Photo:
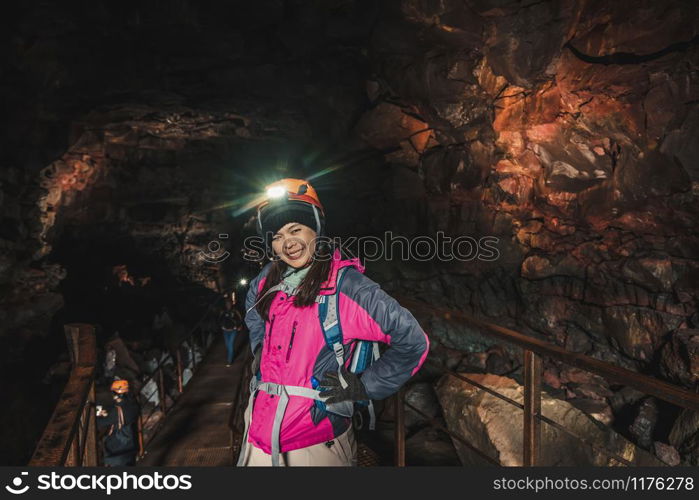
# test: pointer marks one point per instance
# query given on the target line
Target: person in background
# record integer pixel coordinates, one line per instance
(120, 423)
(162, 325)
(231, 322)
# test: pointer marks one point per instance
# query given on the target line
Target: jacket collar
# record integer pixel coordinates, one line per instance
(328, 287)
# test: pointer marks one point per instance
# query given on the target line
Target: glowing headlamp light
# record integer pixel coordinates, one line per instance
(276, 192)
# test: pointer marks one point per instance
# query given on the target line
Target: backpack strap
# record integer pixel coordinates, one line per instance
(365, 351)
(330, 324)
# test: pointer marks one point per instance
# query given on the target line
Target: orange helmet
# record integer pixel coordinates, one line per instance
(290, 200)
(120, 386)
(291, 189)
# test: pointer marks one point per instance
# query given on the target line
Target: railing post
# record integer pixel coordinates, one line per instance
(192, 354)
(532, 407)
(179, 370)
(400, 428)
(161, 389)
(72, 333)
(91, 432)
(140, 436)
(73, 454)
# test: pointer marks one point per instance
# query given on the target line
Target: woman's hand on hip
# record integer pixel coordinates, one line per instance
(333, 392)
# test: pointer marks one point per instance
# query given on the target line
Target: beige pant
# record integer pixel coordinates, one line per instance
(341, 453)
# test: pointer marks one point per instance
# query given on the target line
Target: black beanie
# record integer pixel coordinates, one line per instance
(276, 215)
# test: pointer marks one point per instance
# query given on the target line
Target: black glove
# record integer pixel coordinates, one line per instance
(331, 388)
(257, 357)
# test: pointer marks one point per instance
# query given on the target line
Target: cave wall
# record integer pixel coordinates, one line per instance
(567, 129)
(146, 122)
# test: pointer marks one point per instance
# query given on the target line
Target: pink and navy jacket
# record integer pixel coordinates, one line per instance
(294, 350)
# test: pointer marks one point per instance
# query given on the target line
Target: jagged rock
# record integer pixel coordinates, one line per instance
(680, 357)
(638, 331)
(652, 174)
(473, 361)
(689, 450)
(495, 427)
(430, 447)
(439, 166)
(541, 32)
(666, 453)
(422, 397)
(387, 126)
(585, 384)
(499, 361)
(577, 340)
(687, 423)
(685, 436)
(678, 144)
(643, 425)
(37, 313)
(635, 31)
(570, 164)
(459, 336)
(595, 408)
(537, 267)
(624, 397)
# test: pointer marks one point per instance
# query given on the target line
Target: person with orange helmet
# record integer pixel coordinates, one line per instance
(120, 387)
(310, 312)
(121, 439)
(289, 200)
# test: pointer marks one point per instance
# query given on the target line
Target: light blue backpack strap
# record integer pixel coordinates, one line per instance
(328, 312)
(364, 353)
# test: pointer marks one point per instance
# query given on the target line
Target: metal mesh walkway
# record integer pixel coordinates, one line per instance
(196, 430)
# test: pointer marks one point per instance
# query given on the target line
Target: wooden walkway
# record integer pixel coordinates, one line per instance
(196, 431)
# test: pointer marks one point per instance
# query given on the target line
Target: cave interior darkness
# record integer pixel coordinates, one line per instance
(135, 132)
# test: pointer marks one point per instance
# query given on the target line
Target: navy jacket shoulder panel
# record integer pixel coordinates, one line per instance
(255, 324)
(408, 342)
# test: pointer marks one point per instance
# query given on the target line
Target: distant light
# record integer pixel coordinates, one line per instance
(243, 282)
(276, 192)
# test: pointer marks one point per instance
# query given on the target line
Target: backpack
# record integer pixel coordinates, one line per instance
(365, 351)
(122, 436)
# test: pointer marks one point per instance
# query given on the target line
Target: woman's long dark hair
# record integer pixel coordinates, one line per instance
(309, 287)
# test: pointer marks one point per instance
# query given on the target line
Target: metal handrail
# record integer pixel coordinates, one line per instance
(158, 371)
(648, 385)
(70, 438)
(534, 349)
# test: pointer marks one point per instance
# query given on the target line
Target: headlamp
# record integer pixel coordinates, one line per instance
(276, 192)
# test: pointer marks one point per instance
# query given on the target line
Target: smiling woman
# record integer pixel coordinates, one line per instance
(294, 244)
(307, 312)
